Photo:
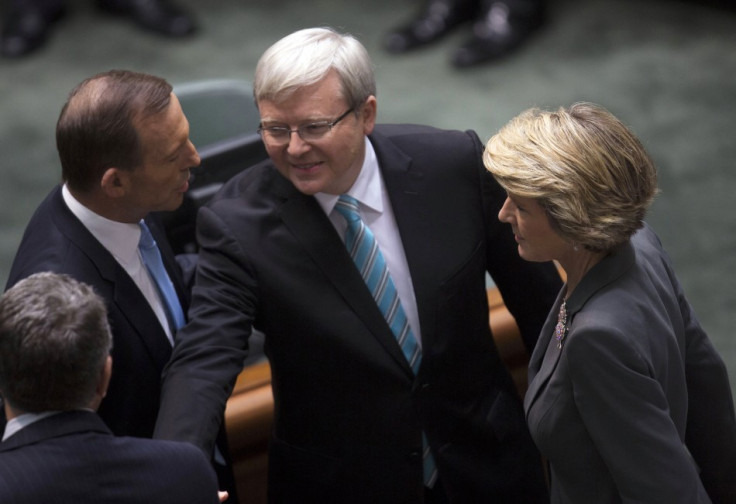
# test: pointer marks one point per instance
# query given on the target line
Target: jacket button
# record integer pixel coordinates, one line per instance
(415, 456)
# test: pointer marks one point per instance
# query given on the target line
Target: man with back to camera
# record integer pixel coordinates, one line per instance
(55, 365)
(397, 399)
(125, 153)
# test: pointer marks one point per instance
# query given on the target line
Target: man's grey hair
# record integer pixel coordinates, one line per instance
(54, 342)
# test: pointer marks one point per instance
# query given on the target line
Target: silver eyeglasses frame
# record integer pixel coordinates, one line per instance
(278, 135)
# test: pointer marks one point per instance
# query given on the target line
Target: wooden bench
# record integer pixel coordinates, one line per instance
(249, 411)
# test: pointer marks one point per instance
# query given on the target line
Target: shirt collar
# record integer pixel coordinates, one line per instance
(366, 188)
(119, 238)
(21, 421)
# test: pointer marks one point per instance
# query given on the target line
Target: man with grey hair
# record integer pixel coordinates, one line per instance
(55, 366)
(386, 381)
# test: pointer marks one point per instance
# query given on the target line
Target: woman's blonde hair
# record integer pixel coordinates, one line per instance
(582, 165)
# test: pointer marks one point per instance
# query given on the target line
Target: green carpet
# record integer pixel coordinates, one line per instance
(667, 68)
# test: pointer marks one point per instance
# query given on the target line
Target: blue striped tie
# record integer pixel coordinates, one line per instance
(152, 259)
(364, 250)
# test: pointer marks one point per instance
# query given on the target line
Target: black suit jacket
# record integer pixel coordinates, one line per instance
(73, 458)
(349, 413)
(55, 240)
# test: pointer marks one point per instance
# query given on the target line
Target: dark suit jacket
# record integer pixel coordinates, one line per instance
(74, 458)
(349, 413)
(610, 408)
(55, 240)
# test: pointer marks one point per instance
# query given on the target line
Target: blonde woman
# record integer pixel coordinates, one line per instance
(628, 399)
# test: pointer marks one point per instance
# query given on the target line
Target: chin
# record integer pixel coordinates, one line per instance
(308, 188)
(173, 204)
(534, 257)
(529, 256)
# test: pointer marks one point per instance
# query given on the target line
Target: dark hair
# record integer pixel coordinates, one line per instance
(96, 129)
(54, 341)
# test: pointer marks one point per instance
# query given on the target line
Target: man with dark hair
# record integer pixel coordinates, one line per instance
(125, 152)
(124, 147)
(55, 366)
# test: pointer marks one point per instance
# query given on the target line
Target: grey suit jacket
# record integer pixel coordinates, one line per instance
(349, 413)
(73, 458)
(610, 408)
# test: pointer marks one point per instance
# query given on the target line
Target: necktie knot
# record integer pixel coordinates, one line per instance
(347, 206)
(146, 241)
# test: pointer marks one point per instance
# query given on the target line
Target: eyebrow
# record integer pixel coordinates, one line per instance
(305, 122)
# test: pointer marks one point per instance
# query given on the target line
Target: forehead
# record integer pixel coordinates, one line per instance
(521, 200)
(155, 130)
(319, 100)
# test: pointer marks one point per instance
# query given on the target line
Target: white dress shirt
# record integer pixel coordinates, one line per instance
(121, 240)
(376, 212)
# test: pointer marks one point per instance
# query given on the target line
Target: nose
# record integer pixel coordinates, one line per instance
(504, 215)
(195, 159)
(296, 145)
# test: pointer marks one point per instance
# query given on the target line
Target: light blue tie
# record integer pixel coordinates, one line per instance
(364, 250)
(152, 259)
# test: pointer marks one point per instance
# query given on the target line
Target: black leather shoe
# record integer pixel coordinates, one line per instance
(500, 31)
(437, 19)
(154, 15)
(25, 30)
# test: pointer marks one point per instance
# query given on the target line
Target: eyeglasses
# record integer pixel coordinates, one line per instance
(277, 135)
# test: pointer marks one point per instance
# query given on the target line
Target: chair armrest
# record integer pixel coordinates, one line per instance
(249, 411)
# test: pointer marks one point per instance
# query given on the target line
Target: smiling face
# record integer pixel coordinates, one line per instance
(332, 163)
(168, 156)
(537, 239)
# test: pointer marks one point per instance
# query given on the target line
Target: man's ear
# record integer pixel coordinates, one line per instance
(106, 375)
(114, 182)
(368, 113)
(102, 384)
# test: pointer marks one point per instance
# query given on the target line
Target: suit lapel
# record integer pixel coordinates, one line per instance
(316, 234)
(542, 363)
(139, 313)
(125, 293)
(404, 181)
